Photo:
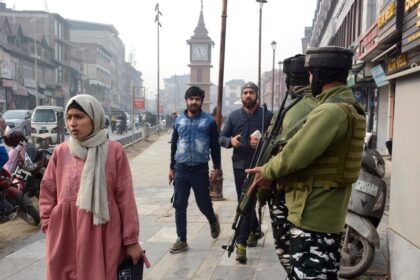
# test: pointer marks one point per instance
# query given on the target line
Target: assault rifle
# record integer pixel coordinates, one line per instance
(267, 147)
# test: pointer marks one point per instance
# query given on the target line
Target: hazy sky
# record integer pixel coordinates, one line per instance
(283, 22)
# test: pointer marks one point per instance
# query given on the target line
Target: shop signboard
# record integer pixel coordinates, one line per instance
(396, 63)
(9, 83)
(379, 76)
(20, 90)
(368, 42)
(139, 103)
(390, 22)
(351, 79)
(7, 68)
(411, 26)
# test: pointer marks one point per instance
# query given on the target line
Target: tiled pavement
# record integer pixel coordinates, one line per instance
(204, 260)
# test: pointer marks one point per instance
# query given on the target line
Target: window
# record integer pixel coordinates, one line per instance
(371, 13)
(59, 74)
(58, 29)
(44, 115)
(58, 52)
(27, 71)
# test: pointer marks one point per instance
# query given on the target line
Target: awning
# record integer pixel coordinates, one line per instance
(385, 52)
(36, 94)
(48, 93)
(403, 73)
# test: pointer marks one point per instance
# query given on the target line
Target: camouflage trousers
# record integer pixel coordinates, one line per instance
(314, 255)
(281, 228)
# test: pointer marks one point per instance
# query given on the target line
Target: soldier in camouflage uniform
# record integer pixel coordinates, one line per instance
(318, 165)
(297, 82)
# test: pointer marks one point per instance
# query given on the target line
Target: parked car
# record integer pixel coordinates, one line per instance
(19, 119)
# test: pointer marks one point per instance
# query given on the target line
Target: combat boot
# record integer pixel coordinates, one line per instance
(253, 238)
(241, 253)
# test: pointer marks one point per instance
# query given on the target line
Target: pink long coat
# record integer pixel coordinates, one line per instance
(76, 249)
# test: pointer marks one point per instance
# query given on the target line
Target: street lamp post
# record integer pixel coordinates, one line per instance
(273, 45)
(36, 63)
(280, 74)
(158, 14)
(259, 49)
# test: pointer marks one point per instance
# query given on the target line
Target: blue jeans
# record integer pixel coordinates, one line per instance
(196, 177)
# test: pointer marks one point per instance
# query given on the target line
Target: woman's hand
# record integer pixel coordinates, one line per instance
(135, 252)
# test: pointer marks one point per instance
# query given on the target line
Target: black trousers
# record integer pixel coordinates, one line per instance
(250, 221)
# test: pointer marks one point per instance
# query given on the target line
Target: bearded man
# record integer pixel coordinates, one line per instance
(237, 134)
(194, 138)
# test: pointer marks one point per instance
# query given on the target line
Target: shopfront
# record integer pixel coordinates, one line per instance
(403, 70)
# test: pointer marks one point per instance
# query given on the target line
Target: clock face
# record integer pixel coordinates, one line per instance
(199, 52)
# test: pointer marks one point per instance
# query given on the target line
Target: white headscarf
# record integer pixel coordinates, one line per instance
(93, 194)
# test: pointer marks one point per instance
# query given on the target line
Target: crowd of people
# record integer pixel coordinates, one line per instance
(87, 202)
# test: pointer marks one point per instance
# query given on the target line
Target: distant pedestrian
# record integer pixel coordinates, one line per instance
(236, 134)
(87, 203)
(194, 136)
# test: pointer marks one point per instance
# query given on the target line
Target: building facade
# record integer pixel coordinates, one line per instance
(52, 30)
(385, 38)
(106, 36)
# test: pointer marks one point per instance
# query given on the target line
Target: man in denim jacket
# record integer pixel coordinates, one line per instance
(195, 135)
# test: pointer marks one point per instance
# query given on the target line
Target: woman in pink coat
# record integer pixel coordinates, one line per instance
(87, 203)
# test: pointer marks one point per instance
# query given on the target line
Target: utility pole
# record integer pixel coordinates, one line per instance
(36, 62)
(157, 20)
(261, 2)
(216, 189)
(273, 45)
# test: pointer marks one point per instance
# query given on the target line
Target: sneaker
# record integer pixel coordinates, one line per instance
(241, 253)
(179, 246)
(253, 238)
(215, 228)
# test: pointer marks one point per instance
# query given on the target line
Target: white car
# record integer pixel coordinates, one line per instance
(19, 119)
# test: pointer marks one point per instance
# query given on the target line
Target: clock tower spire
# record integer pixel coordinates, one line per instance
(200, 59)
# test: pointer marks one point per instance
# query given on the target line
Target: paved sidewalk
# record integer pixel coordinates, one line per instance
(205, 258)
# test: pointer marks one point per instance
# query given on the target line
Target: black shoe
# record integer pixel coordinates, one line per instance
(215, 228)
(178, 247)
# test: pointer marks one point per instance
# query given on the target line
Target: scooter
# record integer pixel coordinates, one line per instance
(365, 211)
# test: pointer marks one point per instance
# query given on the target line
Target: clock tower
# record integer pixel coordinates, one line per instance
(200, 59)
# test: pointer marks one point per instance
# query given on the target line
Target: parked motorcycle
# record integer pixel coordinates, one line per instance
(14, 177)
(365, 211)
(14, 202)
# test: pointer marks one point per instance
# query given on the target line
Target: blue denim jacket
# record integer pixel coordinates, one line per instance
(193, 138)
